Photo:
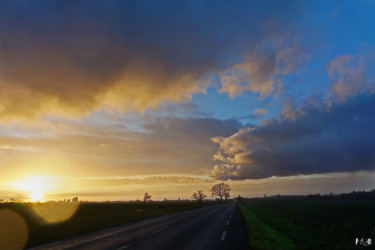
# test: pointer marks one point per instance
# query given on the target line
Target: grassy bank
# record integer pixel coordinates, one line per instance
(88, 217)
(262, 236)
(283, 223)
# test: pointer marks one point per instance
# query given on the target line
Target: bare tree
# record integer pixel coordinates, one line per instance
(226, 195)
(199, 195)
(146, 197)
(221, 190)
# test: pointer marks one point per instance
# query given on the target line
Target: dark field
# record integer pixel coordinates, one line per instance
(284, 223)
(88, 217)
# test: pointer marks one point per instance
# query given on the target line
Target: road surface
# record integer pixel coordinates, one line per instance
(214, 227)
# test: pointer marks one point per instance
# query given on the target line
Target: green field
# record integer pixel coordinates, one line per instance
(282, 223)
(87, 217)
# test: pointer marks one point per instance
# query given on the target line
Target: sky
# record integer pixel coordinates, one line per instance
(107, 100)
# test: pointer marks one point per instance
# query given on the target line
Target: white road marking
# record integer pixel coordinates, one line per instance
(160, 229)
(123, 247)
(227, 222)
(223, 235)
(50, 244)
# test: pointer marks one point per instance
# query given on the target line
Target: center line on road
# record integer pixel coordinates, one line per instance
(227, 222)
(50, 244)
(223, 235)
(123, 247)
(160, 229)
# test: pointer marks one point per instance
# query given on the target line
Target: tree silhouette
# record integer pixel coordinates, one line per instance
(221, 190)
(199, 196)
(226, 195)
(146, 197)
(239, 198)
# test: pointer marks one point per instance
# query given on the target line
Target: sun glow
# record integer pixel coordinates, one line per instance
(35, 186)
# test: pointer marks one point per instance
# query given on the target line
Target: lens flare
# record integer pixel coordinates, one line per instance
(13, 230)
(55, 212)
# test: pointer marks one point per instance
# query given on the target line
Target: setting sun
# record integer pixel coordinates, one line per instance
(35, 186)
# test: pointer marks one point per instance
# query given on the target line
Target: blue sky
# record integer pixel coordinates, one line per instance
(227, 91)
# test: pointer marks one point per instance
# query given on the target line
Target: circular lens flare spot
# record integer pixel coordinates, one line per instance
(55, 212)
(13, 230)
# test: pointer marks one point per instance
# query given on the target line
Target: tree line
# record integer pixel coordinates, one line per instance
(221, 190)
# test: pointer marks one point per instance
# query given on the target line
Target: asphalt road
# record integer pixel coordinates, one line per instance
(213, 227)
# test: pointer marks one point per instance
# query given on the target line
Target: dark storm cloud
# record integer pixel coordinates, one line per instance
(321, 140)
(75, 56)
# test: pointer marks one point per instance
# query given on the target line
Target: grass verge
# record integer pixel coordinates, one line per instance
(262, 236)
(287, 223)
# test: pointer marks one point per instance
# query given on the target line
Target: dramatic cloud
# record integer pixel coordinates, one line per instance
(265, 68)
(320, 141)
(349, 75)
(71, 57)
(160, 146)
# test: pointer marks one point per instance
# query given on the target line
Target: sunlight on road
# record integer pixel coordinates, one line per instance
(13, 230)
